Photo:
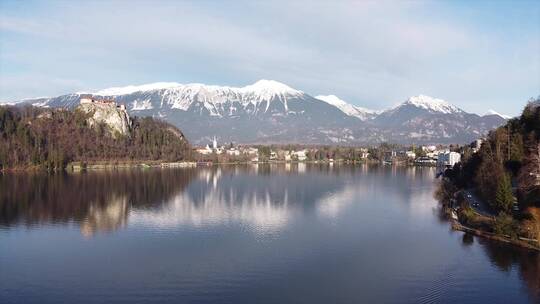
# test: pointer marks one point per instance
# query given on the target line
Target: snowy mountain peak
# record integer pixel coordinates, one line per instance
(493, 112)
(270, 87)
(431, 104)
(332, 99)
(262, 88)
(136, 88)
(346, 107)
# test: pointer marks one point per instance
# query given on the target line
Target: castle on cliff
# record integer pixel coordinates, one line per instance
(106, 111)
(90, 99)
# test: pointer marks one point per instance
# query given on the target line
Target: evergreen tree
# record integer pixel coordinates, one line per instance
(503, 196)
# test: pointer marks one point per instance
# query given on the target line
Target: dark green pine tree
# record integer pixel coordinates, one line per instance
(503, 197)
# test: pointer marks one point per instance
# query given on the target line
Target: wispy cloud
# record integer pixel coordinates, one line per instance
(370, 53)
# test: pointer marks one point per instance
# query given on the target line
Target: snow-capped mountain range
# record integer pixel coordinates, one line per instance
(272, 112)
(217, 100)
(430, 104)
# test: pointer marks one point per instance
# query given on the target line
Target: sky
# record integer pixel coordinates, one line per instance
(478, 55)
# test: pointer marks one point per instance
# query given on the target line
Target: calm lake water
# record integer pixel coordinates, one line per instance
(247, 234)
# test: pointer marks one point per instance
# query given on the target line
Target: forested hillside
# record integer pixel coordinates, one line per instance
(508, 158)
(505, 174)
(50, 139)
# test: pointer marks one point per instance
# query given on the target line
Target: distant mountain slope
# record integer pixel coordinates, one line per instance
(493, 112)
(426, 119)
(347, 108)
(272, 112)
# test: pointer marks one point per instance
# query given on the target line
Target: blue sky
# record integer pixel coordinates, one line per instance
(478, 55)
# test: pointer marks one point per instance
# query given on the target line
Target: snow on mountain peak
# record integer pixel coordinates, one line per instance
(346, 107)
(431, 104)
(212, 97)
(265, 87)
(262, 88)
(332, 99)
(493, 112)
(136, 88)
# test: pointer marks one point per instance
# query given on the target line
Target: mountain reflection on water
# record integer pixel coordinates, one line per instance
(263, 197)
(264, 200)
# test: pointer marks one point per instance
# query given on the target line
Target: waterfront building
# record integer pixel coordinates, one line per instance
(233, 152)
(301, 155)
(410, 154)
(448, 159)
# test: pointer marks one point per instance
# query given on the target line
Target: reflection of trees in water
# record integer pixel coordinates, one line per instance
(102, 200)
(506, 257)
(467, 239)
(98, 200)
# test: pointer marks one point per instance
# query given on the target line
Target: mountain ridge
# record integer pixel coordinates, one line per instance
(420, 100)
(270, 111)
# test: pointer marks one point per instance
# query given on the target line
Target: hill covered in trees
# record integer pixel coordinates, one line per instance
(505, 173)
(51, 138)
(508, 158)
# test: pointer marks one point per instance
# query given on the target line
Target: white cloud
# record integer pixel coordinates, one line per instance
(372, 53)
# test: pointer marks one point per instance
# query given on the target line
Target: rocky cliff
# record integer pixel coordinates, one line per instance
(115, 118)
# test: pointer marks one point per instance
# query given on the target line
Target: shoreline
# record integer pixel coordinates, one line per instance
(78, 166)
(521, 242)
(455, 224)
(101, 165)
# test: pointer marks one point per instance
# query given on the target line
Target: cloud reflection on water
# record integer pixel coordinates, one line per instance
(235, 196)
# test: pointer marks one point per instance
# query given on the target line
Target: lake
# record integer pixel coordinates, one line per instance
(288, 233)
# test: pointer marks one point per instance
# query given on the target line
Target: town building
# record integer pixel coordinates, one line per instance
(410, 154)
(364, 153)
(210, 149)
(429, 148)
(300, 155)
(233, 152)
(205, 150)
(448, 159)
